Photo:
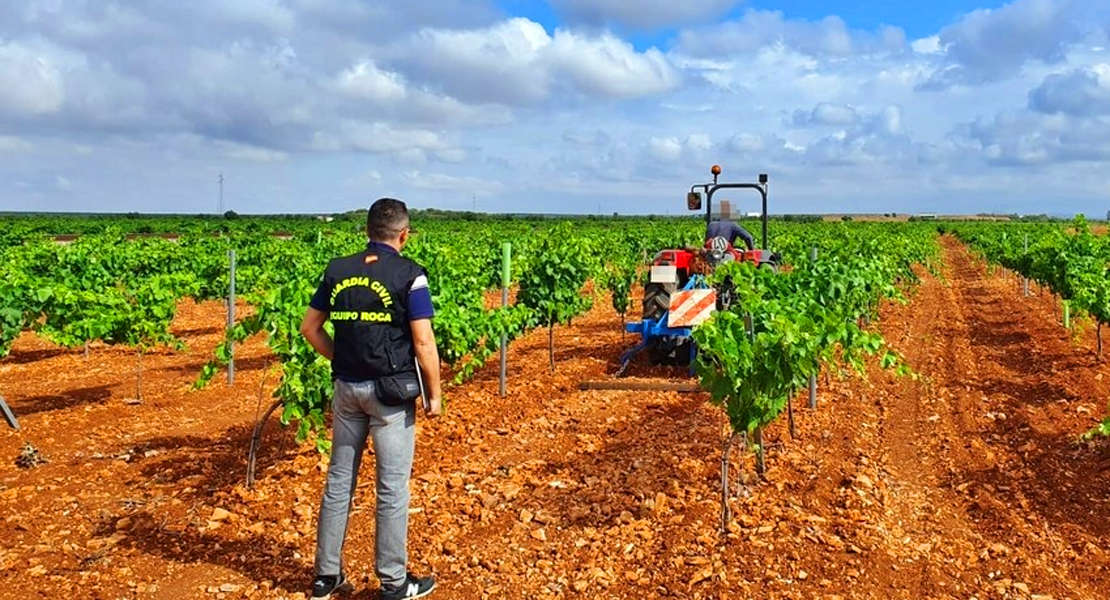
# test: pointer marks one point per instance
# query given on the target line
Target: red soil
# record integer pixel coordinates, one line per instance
(967, 482)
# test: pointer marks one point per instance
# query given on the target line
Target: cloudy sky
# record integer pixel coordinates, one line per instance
(954, 106)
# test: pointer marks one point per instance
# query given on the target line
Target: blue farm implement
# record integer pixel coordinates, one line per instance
(677, 296)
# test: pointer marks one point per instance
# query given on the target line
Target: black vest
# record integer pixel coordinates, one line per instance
(368, 294)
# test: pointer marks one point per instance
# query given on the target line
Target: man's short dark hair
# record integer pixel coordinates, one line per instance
(385, 219)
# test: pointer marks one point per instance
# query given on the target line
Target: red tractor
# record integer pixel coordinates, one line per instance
(677, 296)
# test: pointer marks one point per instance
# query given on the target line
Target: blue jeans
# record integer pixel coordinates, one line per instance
(357, 414)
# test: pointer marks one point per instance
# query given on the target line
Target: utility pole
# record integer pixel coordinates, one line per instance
(220, 204)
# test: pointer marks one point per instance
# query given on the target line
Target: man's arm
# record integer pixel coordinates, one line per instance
(749, 241)
(312, 328)
(424, 342)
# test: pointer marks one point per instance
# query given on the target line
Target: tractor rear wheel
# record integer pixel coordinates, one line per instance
(657, 299)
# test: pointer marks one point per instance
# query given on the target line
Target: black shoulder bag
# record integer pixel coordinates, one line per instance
(398, 389)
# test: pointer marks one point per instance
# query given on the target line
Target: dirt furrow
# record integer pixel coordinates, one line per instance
(967, 482)
(967, 465)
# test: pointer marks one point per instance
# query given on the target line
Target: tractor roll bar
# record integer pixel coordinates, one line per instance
(710, 188)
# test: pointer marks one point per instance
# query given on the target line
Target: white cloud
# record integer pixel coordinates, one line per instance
(30, 83)
(643, 14)
(665, 149)
(497, 64)
(515, 62)
(252, 153)
(83, 22)
(412, 157)
(63, 184)
(887, 122)
(580, 137)
(382, 22)
(988, 44)
(673, 153)
(458, 185)
(381, 138)
(11, 143)
(827, 113)
(466, 96)
(365, 80)
(456, 156)
(699, 142)
(1022, 137)
(364, 181)
(746, 142)
(271, 14)
(860, 146)
(927, 45)
(243, 80)
(379, 93)
(609, 67)
(1083, 92)
(757, 30)
(262, 74)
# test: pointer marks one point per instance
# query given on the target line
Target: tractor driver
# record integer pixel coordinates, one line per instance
(727, 228)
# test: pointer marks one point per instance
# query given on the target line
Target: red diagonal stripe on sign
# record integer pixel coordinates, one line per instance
(679, 301)
(690, 306)
(705, 303)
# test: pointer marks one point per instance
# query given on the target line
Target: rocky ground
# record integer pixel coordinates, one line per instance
(967, 482)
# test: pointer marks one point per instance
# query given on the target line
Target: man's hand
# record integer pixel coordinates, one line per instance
(434, 407)
(424, 343)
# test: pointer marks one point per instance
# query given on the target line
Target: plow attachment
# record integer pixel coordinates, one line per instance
(641, 386)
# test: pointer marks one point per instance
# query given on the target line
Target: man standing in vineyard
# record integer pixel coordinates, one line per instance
(728, 229)
(381, 310)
